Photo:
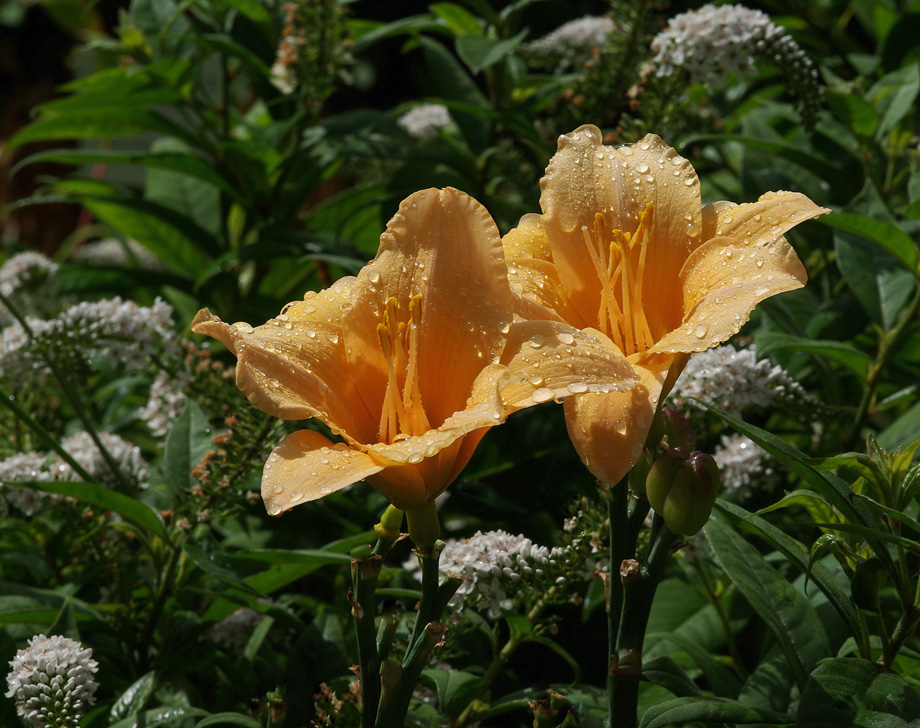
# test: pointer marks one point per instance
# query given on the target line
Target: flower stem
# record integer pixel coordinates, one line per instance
(363, 598)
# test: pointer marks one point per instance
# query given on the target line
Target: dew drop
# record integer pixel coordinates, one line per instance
(578, 387)
(373, 276)
(642, 168)
(566, 338)
(700, 331)
(243, 327)
(536, 379)
(536, 341)
(543, 395)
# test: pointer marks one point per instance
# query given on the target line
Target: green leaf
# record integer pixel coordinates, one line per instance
(876, 277)
(458, 19)
(721, 680)
(788, 614)
(881, 232)
(479, 53)
(850, 357)
(897, 94)
(455, 690)
(854, 111)
(220, 719)
(210, 559)
(188, 439)
(159, 716)
(798, 555)
(133, 511)
(843, 688)
(133, 700)
(664, 671)
(253, 10)
(706, 710)
(903, 430)
(90, 124)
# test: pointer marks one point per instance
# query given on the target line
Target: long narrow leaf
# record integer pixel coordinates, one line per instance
(798, 556)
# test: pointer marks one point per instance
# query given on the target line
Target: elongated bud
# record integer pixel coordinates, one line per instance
(669, 429)
(390, 523)
(676, 430)
(682, 488)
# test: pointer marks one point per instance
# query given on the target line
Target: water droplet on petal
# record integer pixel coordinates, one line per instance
(700, 331)
(566, 338)
(543, 395)
(243, 327)
(578, 387)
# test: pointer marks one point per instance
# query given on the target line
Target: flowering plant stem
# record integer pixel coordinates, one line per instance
(629, 600)
(386, 686)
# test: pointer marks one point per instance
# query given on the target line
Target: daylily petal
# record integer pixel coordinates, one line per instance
(585, 178)
(548, 360)
(723, 280)
(609, 430)
(773, 214)
(293, 368)
(306, 466)
(443, 246)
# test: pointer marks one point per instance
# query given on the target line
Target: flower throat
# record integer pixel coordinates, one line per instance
(619, 262)
(402, 414)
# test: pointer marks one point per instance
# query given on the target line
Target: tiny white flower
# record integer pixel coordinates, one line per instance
(425, 120)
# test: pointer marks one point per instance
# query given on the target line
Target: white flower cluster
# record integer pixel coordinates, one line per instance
(424, 121)
(122, 329)
(37, 467)
(165, 402)
(732, 380)
(23, 467)
(489, 563)
(126, 454)
(572, 43)
(21, 273)
(52, 682)
(715, 41)
(744, 467)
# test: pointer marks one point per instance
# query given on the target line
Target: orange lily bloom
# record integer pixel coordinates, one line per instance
(409, 362)
(625, 250)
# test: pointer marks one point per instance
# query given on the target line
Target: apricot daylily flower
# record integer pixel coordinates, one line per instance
(624, 250)
(409, 362)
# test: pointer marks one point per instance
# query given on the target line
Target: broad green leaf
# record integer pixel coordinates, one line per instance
(479, 53)
(720, 679)
(133, 700)
(159, 716)
(873, 534)
(188, 439)
(226, 47)
(253, 10)
(176, 240)
(186, 195)
(876, 277)
(187, 163)
(221, 719)
(881, 232)
(664, 671)
(455, 689)
(798, 555)
(706, 710)
(374, 33)
(787, 613)
(842, 689)
(458, 19)
(90, 124)
(854, 111)
(903, 430)
(132, 510)
(451, 81)
(896, 96)
(850, 357)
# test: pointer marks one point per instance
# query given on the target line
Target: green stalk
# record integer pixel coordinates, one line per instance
(363, 608)
(164, 588)
(639, 586)
(620, 550)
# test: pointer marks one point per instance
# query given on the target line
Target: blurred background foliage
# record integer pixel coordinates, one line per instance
(237, 153)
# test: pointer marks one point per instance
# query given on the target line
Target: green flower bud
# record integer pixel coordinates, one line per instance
(682, 488)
